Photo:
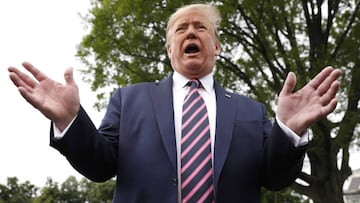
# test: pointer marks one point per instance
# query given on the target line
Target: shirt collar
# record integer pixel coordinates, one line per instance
(179, 81)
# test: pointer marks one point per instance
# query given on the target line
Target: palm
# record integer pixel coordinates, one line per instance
(315, 100)
(58, 102)
(53, 98)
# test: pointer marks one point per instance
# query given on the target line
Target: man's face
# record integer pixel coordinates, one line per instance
(193, 46)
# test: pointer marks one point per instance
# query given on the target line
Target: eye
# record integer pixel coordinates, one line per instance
(180, 29)
(201, 27)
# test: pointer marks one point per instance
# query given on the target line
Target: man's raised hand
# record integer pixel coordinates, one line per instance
(298, 110)
(58, 102)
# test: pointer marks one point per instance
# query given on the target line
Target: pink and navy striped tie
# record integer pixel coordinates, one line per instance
(196, 165)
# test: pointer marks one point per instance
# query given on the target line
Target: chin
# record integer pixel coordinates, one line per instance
(193, 65)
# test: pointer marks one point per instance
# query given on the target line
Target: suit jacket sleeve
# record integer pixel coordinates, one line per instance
(90, 151)
(282, 161)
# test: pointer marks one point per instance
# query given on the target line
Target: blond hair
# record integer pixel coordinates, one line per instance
(208, 10)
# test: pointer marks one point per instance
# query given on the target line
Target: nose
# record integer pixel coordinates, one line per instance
(191, 33)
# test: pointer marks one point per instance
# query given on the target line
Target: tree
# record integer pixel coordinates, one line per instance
(98, 192)
(71, 190)
(287, 195)
(74, 191)
(262, 41)
(15, 192)
(49, 193)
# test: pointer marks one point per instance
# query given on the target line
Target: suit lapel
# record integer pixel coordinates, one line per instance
(162, 98)
(225, 117)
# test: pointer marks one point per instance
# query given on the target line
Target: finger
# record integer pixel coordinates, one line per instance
(327, 83)
(289, 84)
(21, 79)
(34, 71)
(330, 94)
(69, 76)
(19, 83)
(330, 107)
(320, 77)
(29, 97)
(16, 80)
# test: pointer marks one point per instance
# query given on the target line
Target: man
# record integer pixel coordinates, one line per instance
(141, 139)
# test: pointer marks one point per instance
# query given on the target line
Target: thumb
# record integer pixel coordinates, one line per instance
(68, 75)
(289, 84)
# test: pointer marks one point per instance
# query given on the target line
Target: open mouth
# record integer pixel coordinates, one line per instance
(192, 48)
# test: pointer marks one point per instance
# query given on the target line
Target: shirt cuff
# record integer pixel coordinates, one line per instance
(295, 139)
(57, 133)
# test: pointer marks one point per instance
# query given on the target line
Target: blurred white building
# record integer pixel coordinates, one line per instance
(352, 192)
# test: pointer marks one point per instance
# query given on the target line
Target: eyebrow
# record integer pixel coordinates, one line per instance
(196, 22)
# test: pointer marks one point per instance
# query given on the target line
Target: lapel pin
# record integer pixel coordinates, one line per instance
(228, 95)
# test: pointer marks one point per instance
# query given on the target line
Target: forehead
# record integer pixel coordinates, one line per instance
(191, 17)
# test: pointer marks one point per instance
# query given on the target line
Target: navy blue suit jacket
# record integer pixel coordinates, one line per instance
(136, 143)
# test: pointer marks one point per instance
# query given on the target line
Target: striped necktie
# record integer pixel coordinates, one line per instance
(196, 165)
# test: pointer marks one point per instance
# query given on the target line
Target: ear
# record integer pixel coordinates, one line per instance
(217, 48)
(169, 51)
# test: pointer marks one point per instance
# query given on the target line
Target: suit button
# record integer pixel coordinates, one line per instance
(174, 181)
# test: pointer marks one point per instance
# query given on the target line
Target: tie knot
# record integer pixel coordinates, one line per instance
(194, 83)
